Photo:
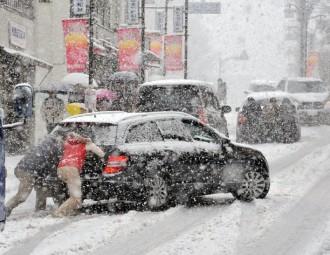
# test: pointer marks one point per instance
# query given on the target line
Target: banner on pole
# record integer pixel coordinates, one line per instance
(76, 44)
(178, 19)
(173, 53)
(312, 62)
(155, 42)
(129, 44)
(132, 12)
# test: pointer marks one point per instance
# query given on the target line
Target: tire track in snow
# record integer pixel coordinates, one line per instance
(296, 228)
(142, 242)
(250, 241)
(27, 245)
(284, 162)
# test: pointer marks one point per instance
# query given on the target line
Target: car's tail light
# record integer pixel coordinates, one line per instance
(115, 164)
(202, 115)
(241, 119)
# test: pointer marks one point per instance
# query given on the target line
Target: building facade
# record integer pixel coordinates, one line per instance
(32, 45)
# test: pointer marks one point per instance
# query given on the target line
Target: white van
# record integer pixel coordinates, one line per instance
(311, 95)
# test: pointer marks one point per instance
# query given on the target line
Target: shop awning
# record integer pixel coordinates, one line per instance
(27, 57)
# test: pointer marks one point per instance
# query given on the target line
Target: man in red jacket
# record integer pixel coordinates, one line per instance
(69, 168)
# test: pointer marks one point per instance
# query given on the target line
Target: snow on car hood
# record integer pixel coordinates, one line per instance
(310, 97)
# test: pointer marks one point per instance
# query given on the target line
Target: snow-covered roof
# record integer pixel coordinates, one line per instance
(115, 117)
(178, 82)
(33, 59)
(304, 79)
(269, 94)
(263, 82)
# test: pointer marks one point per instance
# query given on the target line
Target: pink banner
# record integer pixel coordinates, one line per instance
(173, 53)
(76, 43)
(129, 44)
(155, 43)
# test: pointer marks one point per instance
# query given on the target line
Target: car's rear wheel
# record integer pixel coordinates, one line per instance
(157, 193)
(253, 185)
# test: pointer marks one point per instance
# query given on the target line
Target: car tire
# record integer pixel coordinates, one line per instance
(254, 185)
(157, 193)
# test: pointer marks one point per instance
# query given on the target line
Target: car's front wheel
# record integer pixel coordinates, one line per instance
(254, 185)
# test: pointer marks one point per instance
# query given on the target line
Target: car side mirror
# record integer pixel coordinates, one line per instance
(226, 109)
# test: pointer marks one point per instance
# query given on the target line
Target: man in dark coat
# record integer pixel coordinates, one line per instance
(271, 113)
(287, 121)
(38, 163)
(252, 111)
(2, 178)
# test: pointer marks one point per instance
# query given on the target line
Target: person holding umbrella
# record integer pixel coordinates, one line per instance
(52, 110)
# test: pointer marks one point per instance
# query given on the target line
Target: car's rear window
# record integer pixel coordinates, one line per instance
(180, 98)
(100, 133)
(306, 87)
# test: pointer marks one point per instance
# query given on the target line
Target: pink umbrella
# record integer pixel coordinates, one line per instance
(105, 94)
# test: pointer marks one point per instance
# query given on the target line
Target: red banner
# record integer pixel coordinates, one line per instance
(312, 62)
(129, 44)
(76, 43)
(155, 43)
(173, 53)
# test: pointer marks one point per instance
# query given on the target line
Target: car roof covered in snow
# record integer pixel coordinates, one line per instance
(259, 96)
(117, 116)
(304, 79)
(179, 82)
(263, 82)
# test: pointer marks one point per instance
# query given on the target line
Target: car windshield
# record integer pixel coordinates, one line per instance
(261, 87)
(180, 98)
(100, 133)
(306, 87)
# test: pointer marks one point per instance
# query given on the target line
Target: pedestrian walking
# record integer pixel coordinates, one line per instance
(38, 163)
(287, 121)
(271, 113)
(252, 111)
(52, 111)
(222, 91)
(70, 167)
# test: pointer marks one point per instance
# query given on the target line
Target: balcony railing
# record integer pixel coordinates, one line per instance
(24, 7)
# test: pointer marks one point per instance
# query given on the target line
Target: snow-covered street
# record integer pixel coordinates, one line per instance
(293, 219)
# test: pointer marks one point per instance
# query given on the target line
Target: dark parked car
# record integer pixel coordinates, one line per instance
(253, 121)
(162, 158)
(194, 97)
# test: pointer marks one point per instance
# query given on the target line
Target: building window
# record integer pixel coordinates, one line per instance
(103, 13)
(24, 7)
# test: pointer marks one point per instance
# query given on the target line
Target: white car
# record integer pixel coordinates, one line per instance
(312, 96)
(260, 86)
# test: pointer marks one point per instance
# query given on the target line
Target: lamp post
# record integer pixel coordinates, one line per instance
(186, 20)
(143, 28)
(304, 11)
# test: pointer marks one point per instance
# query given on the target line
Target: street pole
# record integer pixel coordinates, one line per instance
(165, 33)
(303, 36)
(186, 10)
(143, 27)
(166, 16)
(91, 44)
